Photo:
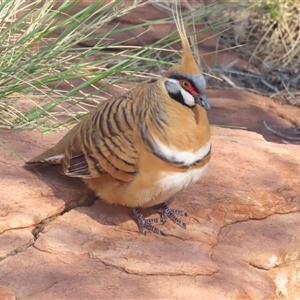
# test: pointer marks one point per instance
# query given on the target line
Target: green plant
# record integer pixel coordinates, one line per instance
(41, 50)
(276, 7)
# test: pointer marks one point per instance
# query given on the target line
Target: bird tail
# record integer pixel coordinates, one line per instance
(47, 158)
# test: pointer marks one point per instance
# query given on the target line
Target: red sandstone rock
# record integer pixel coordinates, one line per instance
(6, 293)
(242, 240)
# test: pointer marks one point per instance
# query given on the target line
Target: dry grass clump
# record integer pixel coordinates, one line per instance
(268, 34)
(273, 40)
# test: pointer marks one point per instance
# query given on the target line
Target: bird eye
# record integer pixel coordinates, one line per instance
(185, 83)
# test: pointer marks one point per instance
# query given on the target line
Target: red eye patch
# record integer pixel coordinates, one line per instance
(188, 87)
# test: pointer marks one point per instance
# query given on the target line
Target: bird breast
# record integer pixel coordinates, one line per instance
(193, 165)
(186, 158)
(172, 183)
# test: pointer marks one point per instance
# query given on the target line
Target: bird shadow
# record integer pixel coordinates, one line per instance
(75, 193)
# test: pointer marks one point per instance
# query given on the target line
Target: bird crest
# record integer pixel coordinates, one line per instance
(188, 64)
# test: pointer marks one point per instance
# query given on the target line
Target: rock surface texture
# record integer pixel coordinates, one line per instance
(242, 240)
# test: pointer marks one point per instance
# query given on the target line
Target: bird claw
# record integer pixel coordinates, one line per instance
(146, 223)
(167, 212)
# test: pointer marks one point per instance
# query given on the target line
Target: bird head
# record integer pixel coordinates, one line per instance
(185, 82)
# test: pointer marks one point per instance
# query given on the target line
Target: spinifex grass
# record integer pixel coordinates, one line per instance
(34, 62)
(40, 46)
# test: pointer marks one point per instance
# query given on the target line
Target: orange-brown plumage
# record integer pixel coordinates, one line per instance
(141, 148)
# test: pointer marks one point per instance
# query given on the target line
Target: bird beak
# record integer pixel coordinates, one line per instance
(202, 100)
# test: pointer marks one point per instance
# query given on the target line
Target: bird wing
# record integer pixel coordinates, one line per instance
(103, 143)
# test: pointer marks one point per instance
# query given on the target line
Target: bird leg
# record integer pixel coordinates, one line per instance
(167, 212)
(146, 223)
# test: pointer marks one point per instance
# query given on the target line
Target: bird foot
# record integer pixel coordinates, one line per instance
(167, 212)
(145, 224)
